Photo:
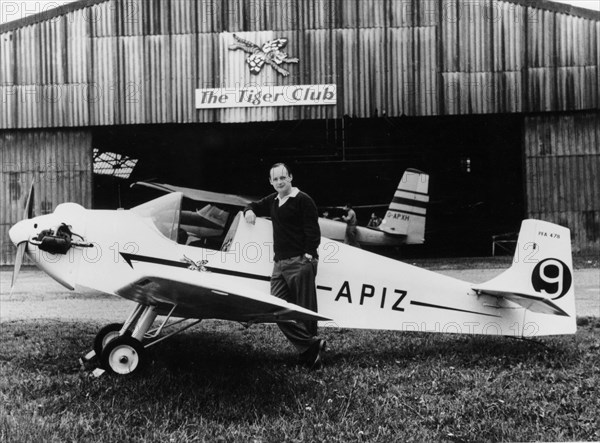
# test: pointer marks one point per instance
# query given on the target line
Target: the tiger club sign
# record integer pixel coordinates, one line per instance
(260, 96)
(261, 91)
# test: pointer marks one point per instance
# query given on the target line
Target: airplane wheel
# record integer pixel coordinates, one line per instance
(123, 355)
(106, 334)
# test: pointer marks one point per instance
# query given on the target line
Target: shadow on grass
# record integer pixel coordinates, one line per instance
(223, 350)
(459, 350)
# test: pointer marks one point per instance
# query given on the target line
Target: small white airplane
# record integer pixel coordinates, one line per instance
(404, 221)
(135, 254)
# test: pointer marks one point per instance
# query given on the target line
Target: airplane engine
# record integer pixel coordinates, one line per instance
(54, 241)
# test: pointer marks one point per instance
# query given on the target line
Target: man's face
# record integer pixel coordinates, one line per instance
(281, 180)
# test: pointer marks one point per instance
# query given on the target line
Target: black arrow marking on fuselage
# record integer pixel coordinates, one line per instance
(129, 258)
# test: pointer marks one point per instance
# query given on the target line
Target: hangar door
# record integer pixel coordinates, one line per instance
(474, 162)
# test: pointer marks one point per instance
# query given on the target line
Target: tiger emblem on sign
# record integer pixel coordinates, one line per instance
(269, 53)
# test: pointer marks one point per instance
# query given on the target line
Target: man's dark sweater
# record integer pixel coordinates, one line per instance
(295, 224)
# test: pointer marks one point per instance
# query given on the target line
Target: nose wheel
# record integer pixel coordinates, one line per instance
(123, 355)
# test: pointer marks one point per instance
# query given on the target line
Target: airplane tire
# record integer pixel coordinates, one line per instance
(123, 355)
(105, 335)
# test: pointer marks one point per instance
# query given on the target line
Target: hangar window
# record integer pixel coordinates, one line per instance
(110, 163)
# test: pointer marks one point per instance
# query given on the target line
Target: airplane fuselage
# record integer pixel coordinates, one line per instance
(356, 288)
(336, 230)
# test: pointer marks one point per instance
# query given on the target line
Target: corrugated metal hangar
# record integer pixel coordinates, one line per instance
(497, 100)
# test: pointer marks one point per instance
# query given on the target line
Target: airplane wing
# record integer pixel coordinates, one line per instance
(199, 194)
(206, 295)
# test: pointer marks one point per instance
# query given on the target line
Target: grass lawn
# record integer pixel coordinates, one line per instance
(221, 382)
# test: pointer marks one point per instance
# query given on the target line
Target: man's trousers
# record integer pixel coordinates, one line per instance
(293, 280)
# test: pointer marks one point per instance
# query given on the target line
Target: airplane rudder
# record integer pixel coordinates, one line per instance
(414, 180)
(407, 210)
(539, 240)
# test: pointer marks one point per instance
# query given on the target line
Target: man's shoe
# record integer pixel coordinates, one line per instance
(312, 358)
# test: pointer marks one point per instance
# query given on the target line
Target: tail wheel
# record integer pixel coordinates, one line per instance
(123, 355)
(105, 335)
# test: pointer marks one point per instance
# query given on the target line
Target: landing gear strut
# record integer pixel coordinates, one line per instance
(125, 354)
(121, 348)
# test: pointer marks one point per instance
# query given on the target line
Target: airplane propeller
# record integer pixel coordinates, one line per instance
(22, 247)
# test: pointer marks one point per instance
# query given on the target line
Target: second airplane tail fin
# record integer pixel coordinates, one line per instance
(407, 210)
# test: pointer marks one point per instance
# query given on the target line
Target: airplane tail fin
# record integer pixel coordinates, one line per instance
(407, 210)
(540, 278)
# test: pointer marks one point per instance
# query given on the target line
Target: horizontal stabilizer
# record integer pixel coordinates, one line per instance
(533, 303)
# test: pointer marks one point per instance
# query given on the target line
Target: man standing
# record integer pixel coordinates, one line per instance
(351, 222)
(296, 237)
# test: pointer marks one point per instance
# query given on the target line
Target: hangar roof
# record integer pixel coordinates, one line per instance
(48, 14)
(549, 5)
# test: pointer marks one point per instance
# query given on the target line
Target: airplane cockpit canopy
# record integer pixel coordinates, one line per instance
(164, 212)
(187, 221)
